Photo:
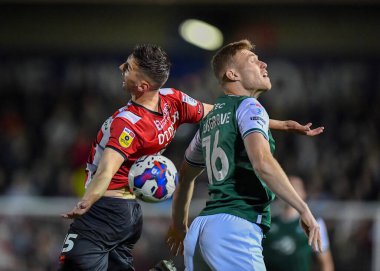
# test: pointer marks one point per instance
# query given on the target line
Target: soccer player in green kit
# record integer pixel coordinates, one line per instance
(286, 243)
(235, 145)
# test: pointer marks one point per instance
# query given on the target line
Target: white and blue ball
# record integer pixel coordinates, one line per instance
(153, 178)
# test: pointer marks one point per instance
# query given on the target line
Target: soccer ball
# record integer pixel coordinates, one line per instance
(153, 178)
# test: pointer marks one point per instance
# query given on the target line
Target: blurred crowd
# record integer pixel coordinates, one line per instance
(48, 125)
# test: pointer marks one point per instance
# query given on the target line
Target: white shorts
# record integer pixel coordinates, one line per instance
(223, 242)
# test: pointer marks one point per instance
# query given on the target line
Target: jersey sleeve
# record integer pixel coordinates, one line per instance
(252, 117)
(191, 110)
(324, 237)
(193, 154)
(122, 138)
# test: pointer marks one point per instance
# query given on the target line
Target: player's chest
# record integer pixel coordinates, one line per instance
(157, 131)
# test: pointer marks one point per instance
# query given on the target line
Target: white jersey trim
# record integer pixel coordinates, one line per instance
(166, 91)
(193, 154)
(129, 116)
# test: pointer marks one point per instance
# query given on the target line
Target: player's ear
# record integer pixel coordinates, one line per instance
(231, 75)
(144, 86)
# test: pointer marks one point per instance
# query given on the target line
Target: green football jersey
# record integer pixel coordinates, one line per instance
(234, 187)
(286, 247)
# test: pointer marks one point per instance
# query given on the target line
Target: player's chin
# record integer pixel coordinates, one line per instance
(266, 87)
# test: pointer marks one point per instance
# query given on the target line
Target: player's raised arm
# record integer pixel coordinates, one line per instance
(294, 126)
(108, 166)
(271, 173)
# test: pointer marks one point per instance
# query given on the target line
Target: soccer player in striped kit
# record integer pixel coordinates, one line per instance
(108, 219)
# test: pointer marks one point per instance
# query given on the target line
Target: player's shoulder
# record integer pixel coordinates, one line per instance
(127, 114)
(170, 95)
(177, 95)
(168, 91)
(249, 102)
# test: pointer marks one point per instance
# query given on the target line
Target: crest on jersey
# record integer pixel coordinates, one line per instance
(126, 138)
(257, 109)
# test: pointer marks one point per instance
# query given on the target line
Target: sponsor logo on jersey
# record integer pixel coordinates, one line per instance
(126, 138)
(107, 123)
(187, 99)
(259, 120)
(257, 109)
(158, 124)
(168, 133)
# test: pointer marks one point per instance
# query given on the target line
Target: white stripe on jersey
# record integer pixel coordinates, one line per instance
(166, 91)
(193, 153)
(129, 116)
(91, 168)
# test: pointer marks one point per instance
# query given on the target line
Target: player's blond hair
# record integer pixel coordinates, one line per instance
(223, 56)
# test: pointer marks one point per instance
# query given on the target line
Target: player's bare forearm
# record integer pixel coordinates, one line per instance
(97, 187)
(95, 190)
(180, 208)
(277, 124)
(294, 126)
(108, 165)
(183, 193)
(275, 178)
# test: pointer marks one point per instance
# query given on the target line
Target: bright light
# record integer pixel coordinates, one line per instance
(201, 34)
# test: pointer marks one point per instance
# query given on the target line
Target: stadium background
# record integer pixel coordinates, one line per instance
(59, 81)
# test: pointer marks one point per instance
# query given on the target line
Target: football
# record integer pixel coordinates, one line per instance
(153, 178)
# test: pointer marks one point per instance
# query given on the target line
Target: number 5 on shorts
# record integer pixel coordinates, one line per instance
(68, 244)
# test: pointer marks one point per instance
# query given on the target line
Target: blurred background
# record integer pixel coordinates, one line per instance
(59, 80)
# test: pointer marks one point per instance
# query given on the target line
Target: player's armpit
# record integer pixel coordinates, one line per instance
(207, 108)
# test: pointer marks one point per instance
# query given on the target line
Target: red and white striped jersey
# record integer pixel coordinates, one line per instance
(134, 131)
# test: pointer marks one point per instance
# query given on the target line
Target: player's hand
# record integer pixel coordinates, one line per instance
(311, 228)
(174, 238)
(81, 208)
(294, 126)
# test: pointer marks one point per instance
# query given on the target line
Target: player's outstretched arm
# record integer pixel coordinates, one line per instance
(180, 208)
(108, 165)
(293, 126)
(271, 173)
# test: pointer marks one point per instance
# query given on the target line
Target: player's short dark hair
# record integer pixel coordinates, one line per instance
(153, 61)
(224, 56)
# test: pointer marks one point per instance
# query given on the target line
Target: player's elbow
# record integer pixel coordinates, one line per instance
(262, 164)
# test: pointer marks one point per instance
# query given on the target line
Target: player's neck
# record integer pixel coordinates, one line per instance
(149, 100)
(234, 88)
